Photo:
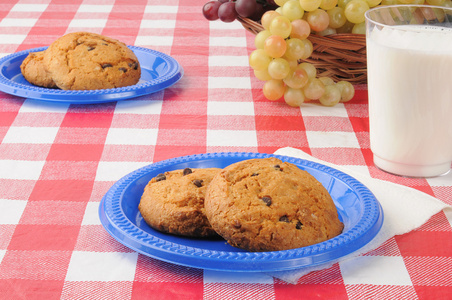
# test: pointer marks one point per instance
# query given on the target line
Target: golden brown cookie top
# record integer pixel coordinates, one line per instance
(86, 61)
(270, 205)
(173, 202)
(34, 70)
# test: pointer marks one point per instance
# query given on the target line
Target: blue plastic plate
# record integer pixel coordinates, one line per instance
(158, 71)
(358, 209)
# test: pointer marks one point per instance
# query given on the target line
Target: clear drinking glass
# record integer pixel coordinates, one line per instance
(409, 65)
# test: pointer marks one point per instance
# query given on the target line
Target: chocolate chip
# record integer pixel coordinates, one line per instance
(123, 69)
(187, 171)
(277, 167)
(90, 48)
(284, 219)
(254, 174)
(106, 66)
(267, 200)
(198, 182)
(299, 225)
(160, 177)
(134, 65)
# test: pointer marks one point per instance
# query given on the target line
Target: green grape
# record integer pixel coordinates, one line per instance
(389, 2)
(314, 89)
(342, 3)
(436, 2)
(331, 97)
(318, 19)
(259, 60)
(268, 17)
(328, 4)
(346, 28)
(259, 40)
(273, 89)
(347, 90)
(355, 9)
(359, 28)
(281, 26)
(278, 68)
(310, 69)
(297, 78)
(295, 49)
(310, 5)
(308, 48)
(373, 3)
(327, 31)
(293, 97)
(337, 17)
(281, 2)
(300, 29)
(448, 3)
(405, 1)
(275, 46)
(293, 63)
(326, 80)
(292, 10)
(262, 75)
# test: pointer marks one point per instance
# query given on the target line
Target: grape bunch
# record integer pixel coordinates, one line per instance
(228, 10)
(283, 45)
(280, 50)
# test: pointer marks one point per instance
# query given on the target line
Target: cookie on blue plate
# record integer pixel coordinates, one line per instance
(173, 202)
(90, 61)
(270, 205)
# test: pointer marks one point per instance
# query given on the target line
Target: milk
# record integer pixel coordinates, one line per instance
(410, 99)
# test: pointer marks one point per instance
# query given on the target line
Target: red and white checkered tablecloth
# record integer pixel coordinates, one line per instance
(57, 160)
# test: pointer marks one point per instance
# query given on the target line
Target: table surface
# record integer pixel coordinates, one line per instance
(57, 160)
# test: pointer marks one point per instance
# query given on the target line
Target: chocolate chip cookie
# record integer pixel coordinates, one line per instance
(173, 202)
(89, 61)
(270, 205)
(35, 72)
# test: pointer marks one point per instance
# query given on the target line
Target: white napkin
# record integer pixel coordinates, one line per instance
(404, 209)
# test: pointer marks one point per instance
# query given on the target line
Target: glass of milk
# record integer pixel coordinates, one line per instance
(409, 65)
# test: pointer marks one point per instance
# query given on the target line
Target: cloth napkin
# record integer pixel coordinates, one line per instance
(404, 209)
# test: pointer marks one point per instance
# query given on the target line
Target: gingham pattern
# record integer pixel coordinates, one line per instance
(58, 160)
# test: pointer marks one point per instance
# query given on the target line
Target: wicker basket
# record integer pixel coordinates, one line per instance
(338, 56)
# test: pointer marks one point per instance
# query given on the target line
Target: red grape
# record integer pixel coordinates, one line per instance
(210, 10)
(227, 12)
(245, 8)
(257, 15)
